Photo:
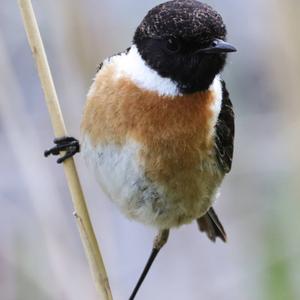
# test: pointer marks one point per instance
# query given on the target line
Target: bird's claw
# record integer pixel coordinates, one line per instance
(68, 144)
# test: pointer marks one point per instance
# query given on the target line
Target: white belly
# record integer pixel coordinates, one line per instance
(119, 172)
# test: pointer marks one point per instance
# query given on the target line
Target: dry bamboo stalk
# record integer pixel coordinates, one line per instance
(81, 213)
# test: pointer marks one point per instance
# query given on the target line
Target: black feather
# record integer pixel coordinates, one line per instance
(225, 132)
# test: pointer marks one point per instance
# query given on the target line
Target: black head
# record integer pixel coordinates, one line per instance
(184, 41)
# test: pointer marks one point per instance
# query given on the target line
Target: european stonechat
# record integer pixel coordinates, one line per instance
(158, 126)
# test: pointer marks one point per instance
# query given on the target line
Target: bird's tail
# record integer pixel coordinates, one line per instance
(211, 225)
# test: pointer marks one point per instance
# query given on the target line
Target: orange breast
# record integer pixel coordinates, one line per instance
(174, 132)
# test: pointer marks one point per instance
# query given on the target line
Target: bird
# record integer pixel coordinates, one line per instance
(158, 125)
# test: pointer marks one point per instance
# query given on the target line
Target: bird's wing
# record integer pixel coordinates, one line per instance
(225, 132)
(210, 222)
(122, 52)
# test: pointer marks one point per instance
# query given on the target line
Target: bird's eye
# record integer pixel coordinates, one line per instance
(172, 45)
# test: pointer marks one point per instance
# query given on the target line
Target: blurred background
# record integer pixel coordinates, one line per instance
(41, 256)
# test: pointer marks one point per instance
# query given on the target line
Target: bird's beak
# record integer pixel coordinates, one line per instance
(217, 46)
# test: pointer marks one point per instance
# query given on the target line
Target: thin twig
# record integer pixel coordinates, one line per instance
(83, 220)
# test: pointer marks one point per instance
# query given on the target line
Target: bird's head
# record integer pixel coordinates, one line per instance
(184, 40)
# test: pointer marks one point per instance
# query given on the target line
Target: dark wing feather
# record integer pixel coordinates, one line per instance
(211, 225)
(225, 132)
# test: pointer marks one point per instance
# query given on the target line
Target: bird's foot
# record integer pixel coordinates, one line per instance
(159, 242)
(68, 144)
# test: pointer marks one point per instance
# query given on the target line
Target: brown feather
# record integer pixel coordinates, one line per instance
(176, 134)
(211, 224)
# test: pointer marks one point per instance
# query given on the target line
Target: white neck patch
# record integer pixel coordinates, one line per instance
(133, 65)
(216, 88)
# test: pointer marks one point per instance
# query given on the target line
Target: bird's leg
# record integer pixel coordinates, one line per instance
(68, 144)
(159, 241)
